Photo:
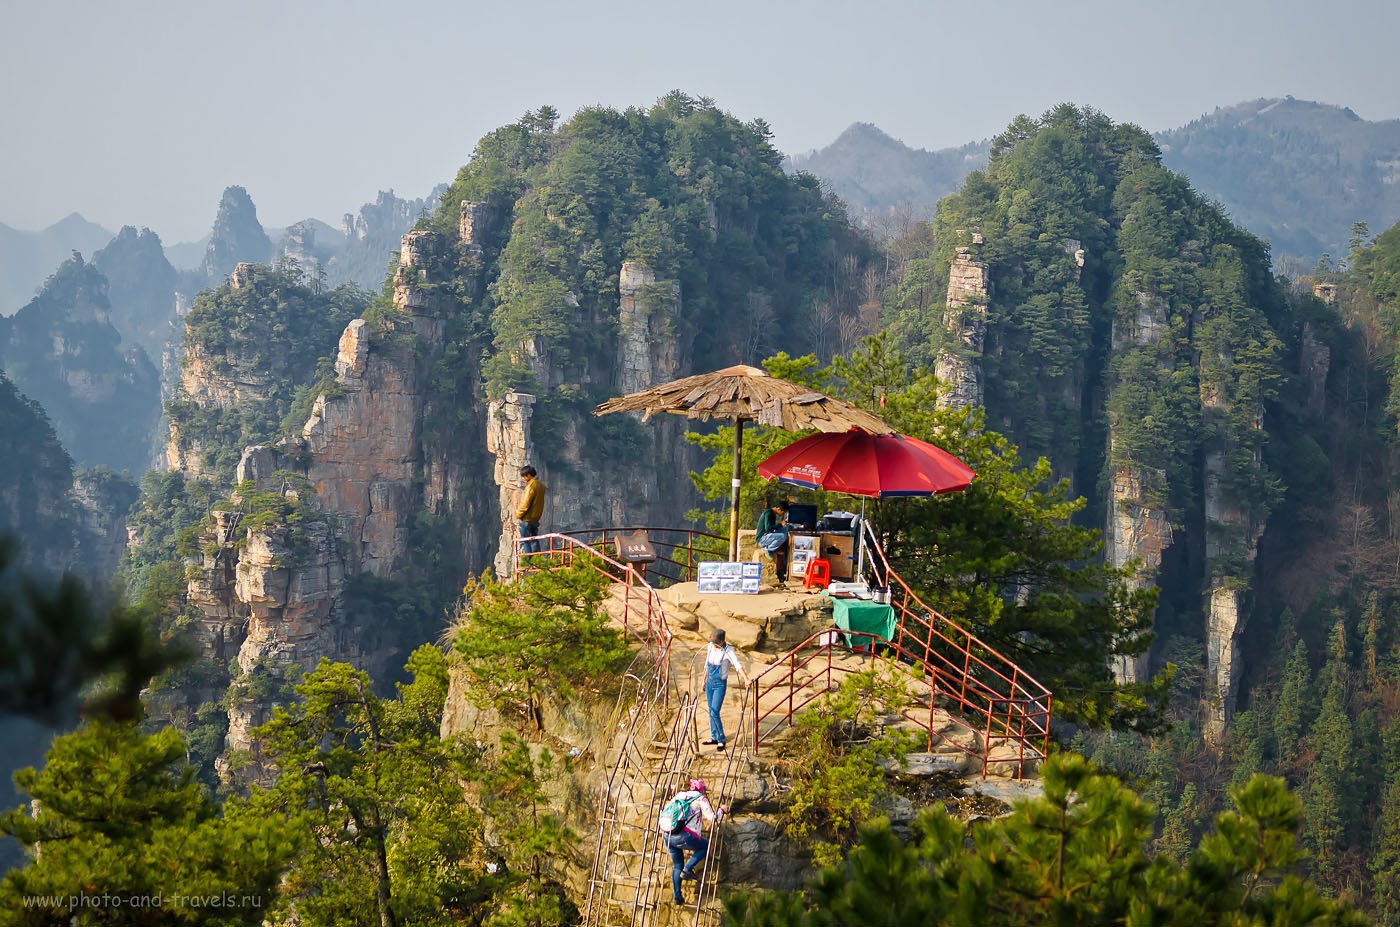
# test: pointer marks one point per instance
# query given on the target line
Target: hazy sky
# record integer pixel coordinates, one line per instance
(140, 112)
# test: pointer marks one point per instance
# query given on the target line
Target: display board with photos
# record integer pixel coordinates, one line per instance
(802, 552)
(742, 577)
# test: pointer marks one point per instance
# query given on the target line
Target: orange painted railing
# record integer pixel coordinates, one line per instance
(678, 550)
(633, 776)
(981, 689)
(642, 614)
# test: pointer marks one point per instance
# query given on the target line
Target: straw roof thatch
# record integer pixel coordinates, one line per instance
(750, 394)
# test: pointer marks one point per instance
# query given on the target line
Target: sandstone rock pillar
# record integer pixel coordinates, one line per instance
(966, 318)
(508, 439)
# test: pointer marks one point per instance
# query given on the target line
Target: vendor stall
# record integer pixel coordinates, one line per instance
(862, 615)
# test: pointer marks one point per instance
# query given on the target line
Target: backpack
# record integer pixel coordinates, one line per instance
(677, 812)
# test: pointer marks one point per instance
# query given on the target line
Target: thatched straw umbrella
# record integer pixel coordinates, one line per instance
(746, 394)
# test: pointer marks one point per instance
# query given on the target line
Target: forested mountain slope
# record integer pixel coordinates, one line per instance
(1294, 172)
(1113, 321)
(568, 263)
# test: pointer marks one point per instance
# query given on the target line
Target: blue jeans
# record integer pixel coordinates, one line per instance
(678, 844)
(529, 529)
(715, 685)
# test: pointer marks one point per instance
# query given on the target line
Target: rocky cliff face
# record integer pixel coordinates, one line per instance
(101, 499)
(62, 351)
(237, 236)
(358, 479)
(1137, 527)
(643, 486)
(248, 346)
(36, 475)
(141, 289)
(966, 320)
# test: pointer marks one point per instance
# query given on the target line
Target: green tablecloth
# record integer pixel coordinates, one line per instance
(863, 615)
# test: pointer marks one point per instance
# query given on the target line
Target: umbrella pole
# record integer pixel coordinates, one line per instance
(860, 545)
(734, 491)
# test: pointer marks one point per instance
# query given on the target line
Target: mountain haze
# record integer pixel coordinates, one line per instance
(27, 258)
(872, 172)
(1294, 172)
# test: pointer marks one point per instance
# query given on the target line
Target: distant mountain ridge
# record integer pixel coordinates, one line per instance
(872, 172)
(27, 258)
(1295, 172)
(357, 251)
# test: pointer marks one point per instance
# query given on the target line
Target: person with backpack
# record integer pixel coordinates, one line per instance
(719, 656)
(682, 819)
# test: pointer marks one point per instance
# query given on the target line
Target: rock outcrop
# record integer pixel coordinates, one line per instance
(632, 490)
(358, 476)
(237, 236)
(966, 319)
(141, 289)
(508, 440)
(1136, 529)
(101, 501)
(62, 351)
(647, 313)
(1136, 525)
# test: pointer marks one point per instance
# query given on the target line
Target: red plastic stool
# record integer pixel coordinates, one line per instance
(818, 574)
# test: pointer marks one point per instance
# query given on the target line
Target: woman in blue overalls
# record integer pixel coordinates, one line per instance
(719, 656)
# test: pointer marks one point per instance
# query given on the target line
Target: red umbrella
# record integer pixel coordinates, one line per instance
(860, 464)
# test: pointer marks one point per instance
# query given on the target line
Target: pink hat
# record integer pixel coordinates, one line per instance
(697, 785)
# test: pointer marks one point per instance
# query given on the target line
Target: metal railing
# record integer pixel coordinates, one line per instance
(984, 692)
(678, 550)
(647, 770)
(634, 735)
(642, 614)
(1009, 704)
(706, 911)
(644, 770)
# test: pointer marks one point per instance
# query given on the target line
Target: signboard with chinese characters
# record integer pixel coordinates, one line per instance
(720, 576)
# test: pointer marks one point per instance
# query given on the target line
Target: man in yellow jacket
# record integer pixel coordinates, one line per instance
(531, 510)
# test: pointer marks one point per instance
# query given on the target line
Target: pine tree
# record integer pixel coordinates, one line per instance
(120, 831)
(1291, 710)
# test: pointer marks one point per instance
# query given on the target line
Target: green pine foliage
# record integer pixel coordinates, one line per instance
(385, 825)
(120, 832)
(1168, 335)
(698, 196)
(543, 638)
(1322, 668)
(836, 764)
(1075, 856)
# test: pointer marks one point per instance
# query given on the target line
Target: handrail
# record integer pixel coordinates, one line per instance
(1005, 703)
(678, 557)
(643, 617)
(984, 686)
(706, 912)
(638, 596)
(996, 680)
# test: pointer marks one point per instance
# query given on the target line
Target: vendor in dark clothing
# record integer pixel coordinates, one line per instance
(771, 535)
